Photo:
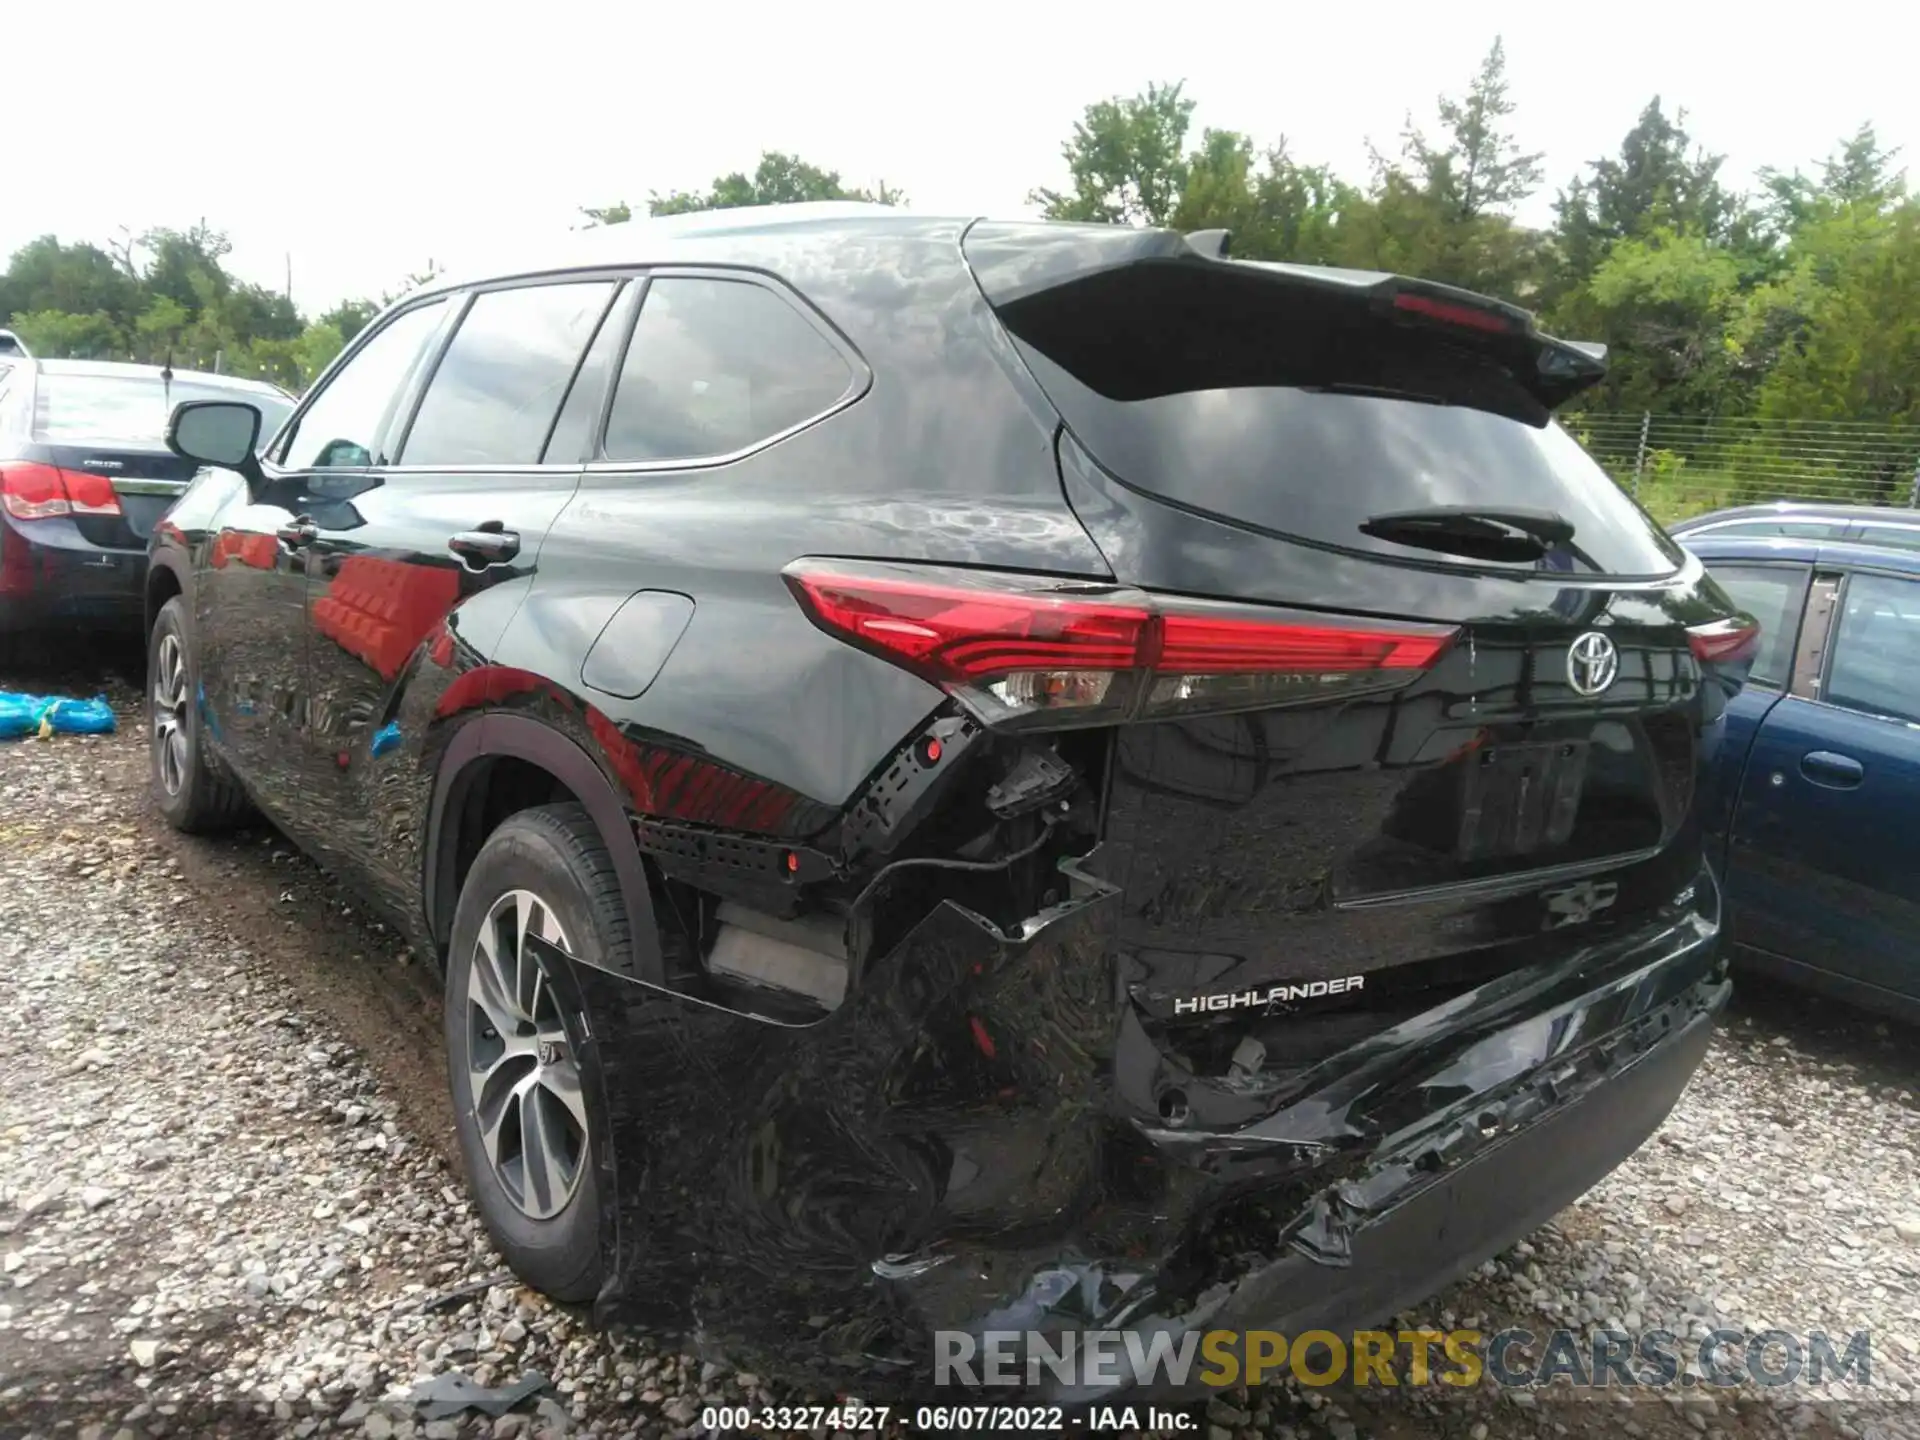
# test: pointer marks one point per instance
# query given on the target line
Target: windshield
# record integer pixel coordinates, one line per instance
(133, 408)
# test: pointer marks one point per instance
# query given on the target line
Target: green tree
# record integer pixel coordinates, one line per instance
(45, 275)
(1855, 353)
(779, 179)
(1660, 179)
(1479, 168)
(1666, 304)
(1126, 160)
(1274, 208)
(348, 318)
(1438, 210)
(58, 333)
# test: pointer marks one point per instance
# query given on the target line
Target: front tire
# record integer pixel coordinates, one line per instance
(525, 1094)
(190, 793)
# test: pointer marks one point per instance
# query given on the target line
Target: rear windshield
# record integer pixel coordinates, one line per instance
(131, 409)
(1317, 465)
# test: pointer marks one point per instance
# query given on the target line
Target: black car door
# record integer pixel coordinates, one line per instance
(250, 590)
(440, 538)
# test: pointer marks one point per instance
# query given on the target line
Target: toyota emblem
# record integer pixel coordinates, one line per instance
(1592, 663)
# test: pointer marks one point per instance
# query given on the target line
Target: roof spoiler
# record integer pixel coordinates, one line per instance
(1221, 305)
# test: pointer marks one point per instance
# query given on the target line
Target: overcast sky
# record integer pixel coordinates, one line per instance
(365, 139)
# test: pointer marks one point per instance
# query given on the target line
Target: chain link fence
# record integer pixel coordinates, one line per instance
(1679, 466)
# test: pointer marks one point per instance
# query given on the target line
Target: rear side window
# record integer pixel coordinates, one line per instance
(1876, 649)
(716, 367)
(1773, 595)
(495, 394)
(572, 438)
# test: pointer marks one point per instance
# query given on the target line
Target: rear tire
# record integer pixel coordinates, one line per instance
(525, 1098)
(189, 791)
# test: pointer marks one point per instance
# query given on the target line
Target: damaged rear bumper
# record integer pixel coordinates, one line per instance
(977, 1141)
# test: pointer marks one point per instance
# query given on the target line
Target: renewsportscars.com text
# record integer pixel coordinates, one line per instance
(1514, 1358)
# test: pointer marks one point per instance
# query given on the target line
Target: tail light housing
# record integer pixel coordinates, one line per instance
(31, 490)
(1030, 651)
(1725, 642)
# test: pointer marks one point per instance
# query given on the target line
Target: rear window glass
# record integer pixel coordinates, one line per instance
(1316, 465)
(131, 408)
(1773, 595)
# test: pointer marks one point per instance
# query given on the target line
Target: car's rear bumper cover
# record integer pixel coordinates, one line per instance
(967, 1144)
(45, 585)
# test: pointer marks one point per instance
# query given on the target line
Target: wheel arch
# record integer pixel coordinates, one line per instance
(469, 755)
(163, 582)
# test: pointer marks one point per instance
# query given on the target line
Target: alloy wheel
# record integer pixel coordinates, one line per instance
(523, 1081)
(170, 713)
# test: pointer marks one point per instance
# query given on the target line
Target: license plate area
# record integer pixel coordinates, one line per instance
(1520, 799)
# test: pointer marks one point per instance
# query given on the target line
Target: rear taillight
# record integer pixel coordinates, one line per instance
(1725, 642)
(1025, 650)
(33, 491)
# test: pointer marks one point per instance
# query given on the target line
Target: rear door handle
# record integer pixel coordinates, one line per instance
(1836, 772)
(301, 532)
(489, 545)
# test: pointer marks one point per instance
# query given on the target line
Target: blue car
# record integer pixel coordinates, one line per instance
(1813, 804)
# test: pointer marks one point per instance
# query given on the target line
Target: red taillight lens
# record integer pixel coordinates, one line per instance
(1019, 650)
(91, 494)
(1452, 312)
(32, 491)
(1725, 642)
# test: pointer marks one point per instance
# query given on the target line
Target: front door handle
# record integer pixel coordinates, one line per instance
(490, 544)
(1836, 772)
(300, 532)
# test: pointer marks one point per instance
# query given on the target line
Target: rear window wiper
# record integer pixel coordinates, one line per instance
(1473, 531)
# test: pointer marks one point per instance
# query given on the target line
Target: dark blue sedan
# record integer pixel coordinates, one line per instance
(1814, 803)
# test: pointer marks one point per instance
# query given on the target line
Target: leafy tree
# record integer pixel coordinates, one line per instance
(59, 333)
(347, 319)
(779, 179)
(1856, 353)
(1126, 160)
(1479, 169)
(45, 275)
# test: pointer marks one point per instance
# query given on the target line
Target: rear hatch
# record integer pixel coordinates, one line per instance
(1349, 452)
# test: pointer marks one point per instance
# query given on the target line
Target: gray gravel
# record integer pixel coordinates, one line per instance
(226, 1205)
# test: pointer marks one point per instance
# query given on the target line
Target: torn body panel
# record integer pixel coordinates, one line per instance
(979, 1138)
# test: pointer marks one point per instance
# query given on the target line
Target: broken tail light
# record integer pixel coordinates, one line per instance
(32, 491)
(1031, 651)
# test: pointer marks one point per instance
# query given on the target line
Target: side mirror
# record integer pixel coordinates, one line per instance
(216, 432)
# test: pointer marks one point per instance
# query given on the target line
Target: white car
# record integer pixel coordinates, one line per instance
(12, 344)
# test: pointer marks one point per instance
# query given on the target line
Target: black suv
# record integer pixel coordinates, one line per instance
(975, 775)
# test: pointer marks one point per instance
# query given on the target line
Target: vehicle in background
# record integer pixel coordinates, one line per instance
(13, 347)
(1803, 520)
(84, 474)
(975, 775)
(1814, 806)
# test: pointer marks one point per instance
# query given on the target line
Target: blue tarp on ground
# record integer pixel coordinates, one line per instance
(22, 715)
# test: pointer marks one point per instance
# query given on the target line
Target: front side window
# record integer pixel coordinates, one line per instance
(715, 367)
(342, 426)
(494, 396)
(1876, 648)
(1773, 595)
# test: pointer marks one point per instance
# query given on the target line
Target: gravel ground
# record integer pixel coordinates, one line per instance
(227, 1203)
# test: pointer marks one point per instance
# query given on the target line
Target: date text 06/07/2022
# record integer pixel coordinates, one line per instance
(945, 1419)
